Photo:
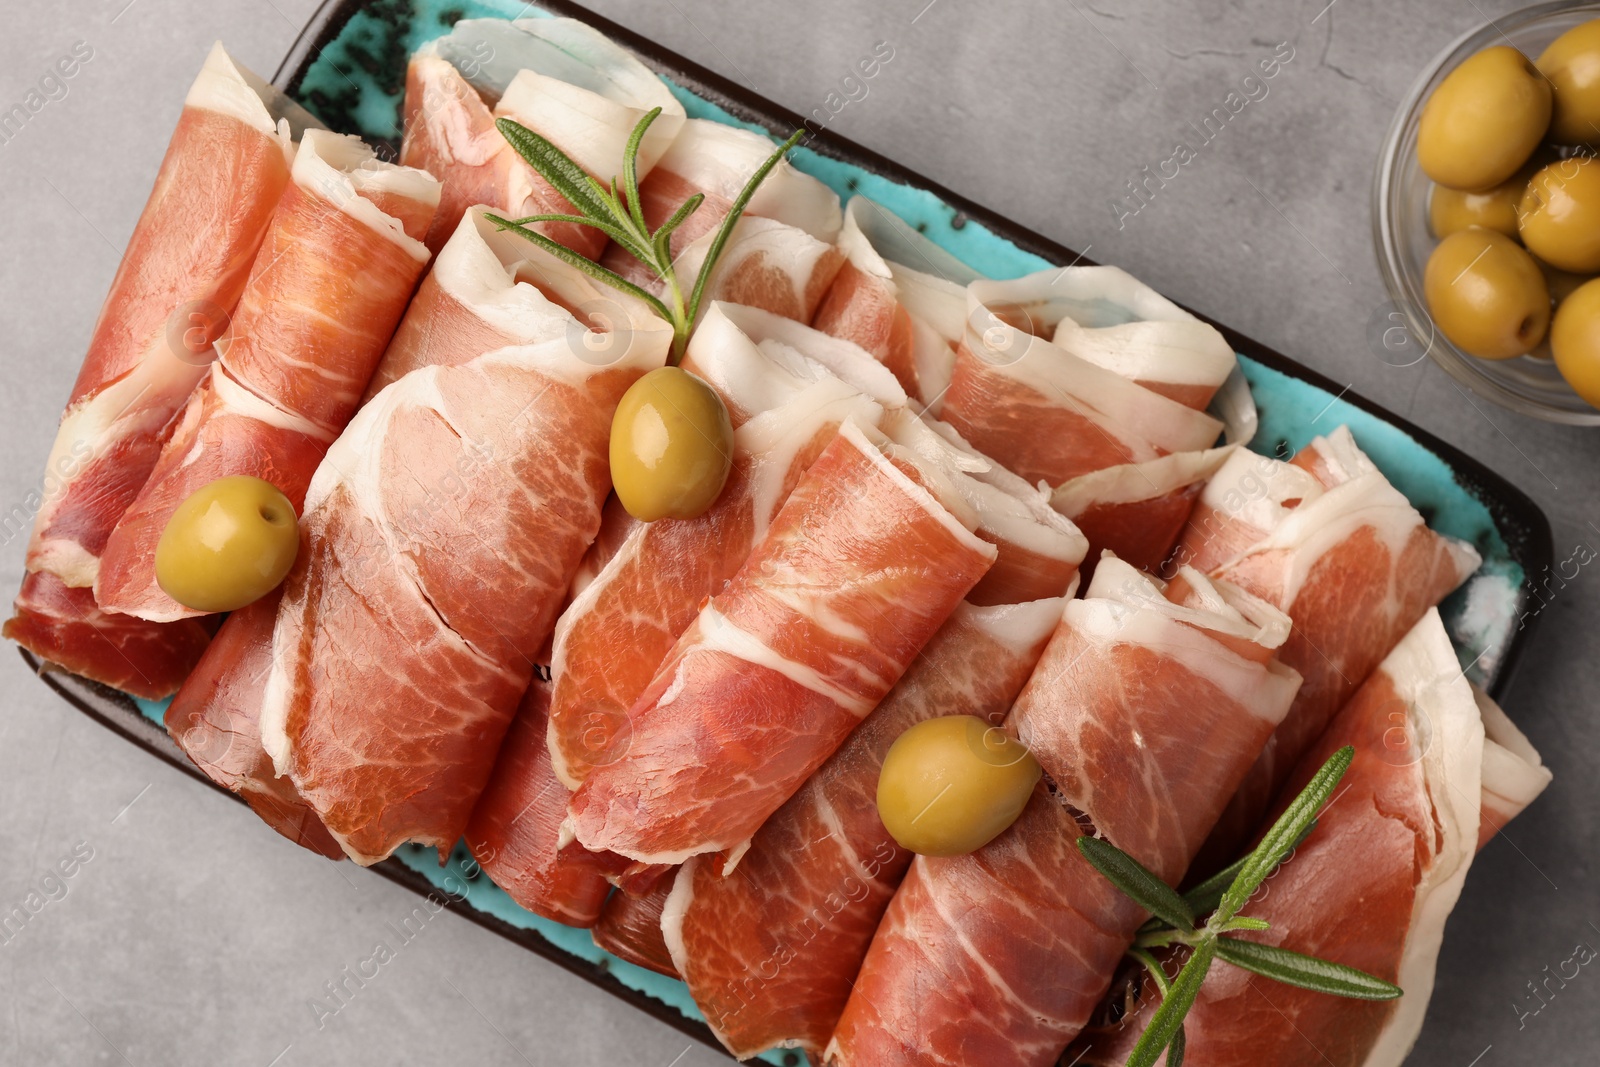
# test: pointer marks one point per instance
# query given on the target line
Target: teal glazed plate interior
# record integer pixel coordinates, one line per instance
(348, 67)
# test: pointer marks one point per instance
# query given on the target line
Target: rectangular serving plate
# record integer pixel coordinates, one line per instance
(348, 66)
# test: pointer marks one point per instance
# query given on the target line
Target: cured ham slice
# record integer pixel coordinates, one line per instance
(1355, 567)
(216, 720)
(630, 929)
(716, 161)
(324, 296)
(1148, 704)
(1072, 370)
(767, 265)
(516, 827)
(182, 273)
(1247, 497)
(770, 951)
(440, 535)
(558, 77)
(490, 289)
(612, 639)
(899, 296)
(1137, 511)
(1374, 884)
(860, 567)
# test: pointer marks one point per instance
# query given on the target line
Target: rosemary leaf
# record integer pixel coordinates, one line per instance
(1307, 972)
(554, 166)
(610, 229)
(589, 267)
(1137, 882)
(1176, 1048)
(630, 169)
(726, 229)
(1290, 827)
(687, 208)
(1167, 1022)
(1205, 896)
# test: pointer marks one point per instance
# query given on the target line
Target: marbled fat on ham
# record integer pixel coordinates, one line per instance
(439, 537)
(858, 570)
(184, 268)
(333, 277)
(1148, 704)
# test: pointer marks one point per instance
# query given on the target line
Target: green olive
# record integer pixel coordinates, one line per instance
(1572, 63)
(1486, 294)
(671, 446)
(1453, 210)
(1575, 341)
(231, 542)
(1560, 213)
(1484, 120)
(951, 785)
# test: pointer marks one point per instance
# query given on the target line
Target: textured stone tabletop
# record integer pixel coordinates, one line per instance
(193, 936)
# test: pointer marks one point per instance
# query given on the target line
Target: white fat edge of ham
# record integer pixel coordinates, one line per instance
(1514, 774)
(1313, 529)
(354, 463)
(719, 160)
(1125, 606)
(227, 88)
(492, 53)
(879, 243)
(478, 268)
(326, 166)
(1005, 505)
(775, 437)
(679, 900)
(1222, 606)
(1234, 406)
(940, 498)
(1118, 405)
(783, 247)
(1256, 490)
(750, 378)
(1016, 627)
(1130, 483)
(782, 340)
(1426, 675)
(1343, 457)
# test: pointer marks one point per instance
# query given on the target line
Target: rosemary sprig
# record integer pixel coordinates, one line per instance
(1224, 895)
(617, 213)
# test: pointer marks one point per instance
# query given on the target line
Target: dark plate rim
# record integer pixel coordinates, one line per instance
(1520, 521)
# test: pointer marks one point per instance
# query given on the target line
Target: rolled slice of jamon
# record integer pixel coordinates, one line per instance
(1073, 370)
(612, 639)
(1355, 567)
(215, 719)
(560, 78)
(1148, 704)
(338, 266)
(770, 952)
(180, 277)
(1249, 495)
(899, 296)
(1374, 884)
(439, 537)
(515, 829)
(870, 554)
(768, 265)
(630, 929)
(491, 289)
(717, 161)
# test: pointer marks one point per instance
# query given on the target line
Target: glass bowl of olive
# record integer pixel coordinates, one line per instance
(1483, 184)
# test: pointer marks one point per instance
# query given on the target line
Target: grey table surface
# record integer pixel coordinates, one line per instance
(193, 936)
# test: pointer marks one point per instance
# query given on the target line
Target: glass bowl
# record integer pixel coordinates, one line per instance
(1528, 385)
